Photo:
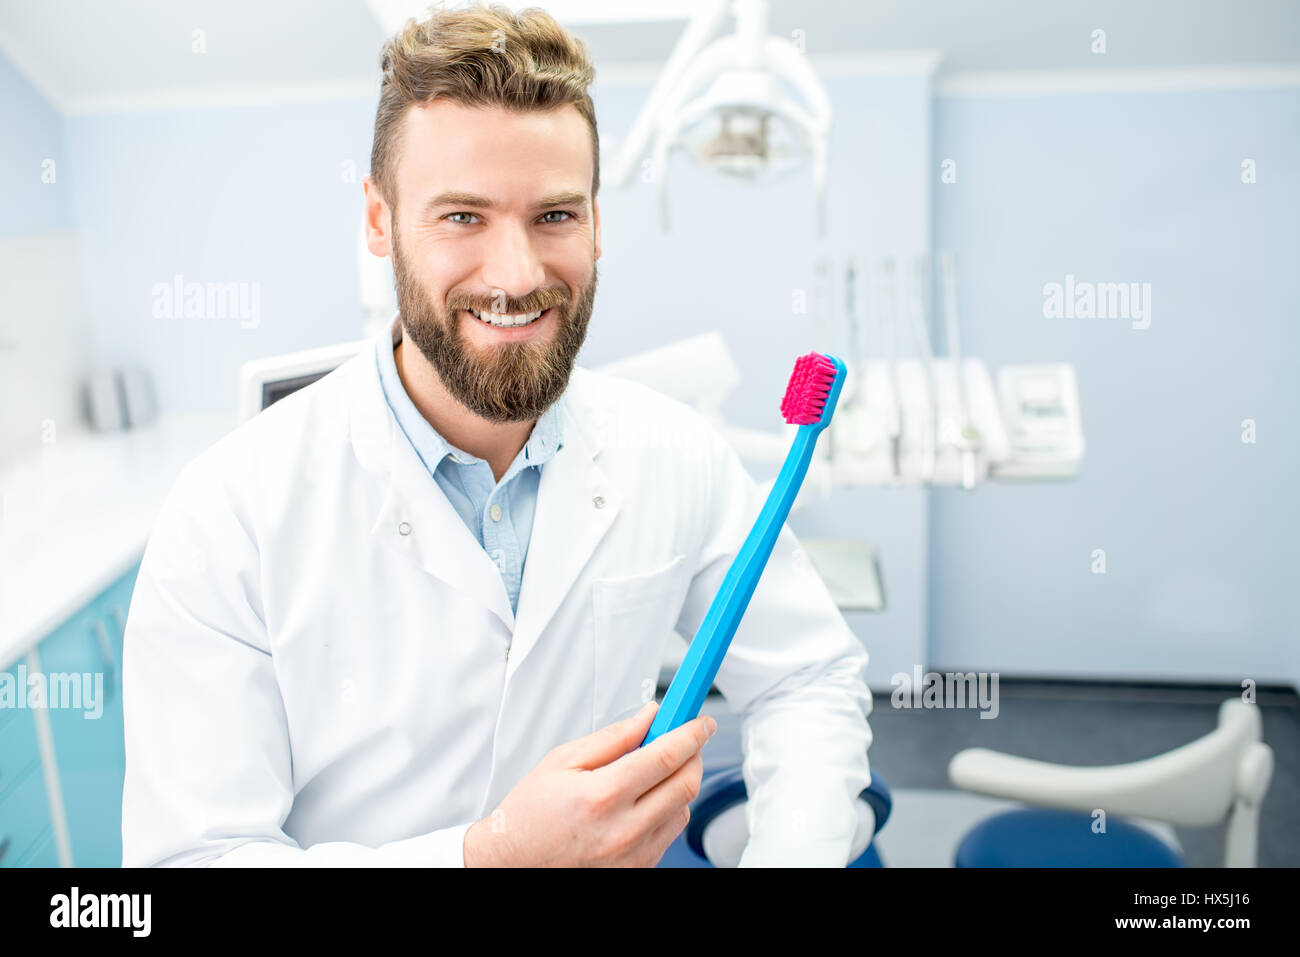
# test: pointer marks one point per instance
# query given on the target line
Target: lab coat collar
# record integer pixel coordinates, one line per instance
(576, 505)
(430, 444)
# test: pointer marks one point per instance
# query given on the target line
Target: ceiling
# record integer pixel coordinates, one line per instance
(80, 53)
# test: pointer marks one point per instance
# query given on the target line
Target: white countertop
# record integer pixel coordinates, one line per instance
(76, 515)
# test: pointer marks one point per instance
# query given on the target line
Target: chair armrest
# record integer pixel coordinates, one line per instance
(1155, 788)
(1194, 785)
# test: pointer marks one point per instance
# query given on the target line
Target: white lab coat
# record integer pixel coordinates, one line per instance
(322, 666)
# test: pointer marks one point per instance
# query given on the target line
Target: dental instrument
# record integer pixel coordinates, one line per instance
(809, 403)
(968, 437)
(851, 312)
(823, 297)
(855, 434)
(921, 332)
(894, 420)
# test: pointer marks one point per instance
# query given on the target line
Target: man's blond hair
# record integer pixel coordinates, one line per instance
(480, 56)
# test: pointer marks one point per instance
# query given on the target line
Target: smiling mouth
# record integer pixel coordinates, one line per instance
(503, 321)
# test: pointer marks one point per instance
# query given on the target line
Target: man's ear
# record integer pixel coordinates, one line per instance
(595, 218)
(378, 220)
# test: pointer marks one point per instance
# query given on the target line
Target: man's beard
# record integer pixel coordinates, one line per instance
(519, 380)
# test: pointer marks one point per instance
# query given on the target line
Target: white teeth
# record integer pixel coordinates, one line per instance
(495, 319)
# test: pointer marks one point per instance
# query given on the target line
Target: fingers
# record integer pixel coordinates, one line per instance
(611, 742)
(667, 797)
(639, 771)
(658, 841)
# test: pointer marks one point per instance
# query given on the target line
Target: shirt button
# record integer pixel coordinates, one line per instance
(495, 512)
(598, 501)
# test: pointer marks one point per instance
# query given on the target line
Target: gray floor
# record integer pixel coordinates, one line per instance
(1085, 725)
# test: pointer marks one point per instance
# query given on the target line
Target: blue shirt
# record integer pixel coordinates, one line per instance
(499, 514)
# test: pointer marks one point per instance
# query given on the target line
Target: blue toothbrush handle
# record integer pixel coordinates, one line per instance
(691, 683)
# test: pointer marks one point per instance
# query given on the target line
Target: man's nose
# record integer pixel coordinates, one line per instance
(512, 264)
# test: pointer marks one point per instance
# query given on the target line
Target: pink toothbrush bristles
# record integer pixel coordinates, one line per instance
(810, 384)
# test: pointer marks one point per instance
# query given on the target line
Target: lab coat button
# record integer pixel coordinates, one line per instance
(598, 501)
(404, 528)
(495, 511)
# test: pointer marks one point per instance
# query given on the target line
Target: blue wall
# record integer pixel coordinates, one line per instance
(247, 195)
(43, 327)
(1199, 529)
(33, 133)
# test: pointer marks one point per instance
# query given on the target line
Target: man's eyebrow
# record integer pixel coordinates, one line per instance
(474, 201)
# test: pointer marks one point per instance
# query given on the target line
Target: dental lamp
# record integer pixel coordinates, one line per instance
(724, 105)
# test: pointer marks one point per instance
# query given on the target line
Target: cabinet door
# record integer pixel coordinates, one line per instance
(24, 810)
(44, 854)
(19, 751)
(88, 741)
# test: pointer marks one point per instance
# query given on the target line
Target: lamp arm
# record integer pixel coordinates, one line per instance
(702, 26)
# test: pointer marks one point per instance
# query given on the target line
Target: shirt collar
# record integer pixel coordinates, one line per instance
(545, 440)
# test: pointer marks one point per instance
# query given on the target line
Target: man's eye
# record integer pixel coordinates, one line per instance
(449, 215)
(562, 212)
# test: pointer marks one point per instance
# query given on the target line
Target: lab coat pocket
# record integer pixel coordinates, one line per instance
(634, 618)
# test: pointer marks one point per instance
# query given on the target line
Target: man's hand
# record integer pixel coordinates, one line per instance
(598, 801)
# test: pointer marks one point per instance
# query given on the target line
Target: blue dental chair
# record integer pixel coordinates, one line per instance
(717, 827)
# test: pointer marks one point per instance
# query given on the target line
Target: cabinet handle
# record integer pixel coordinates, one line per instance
(4, 847)
(120, 620)
(110, 663)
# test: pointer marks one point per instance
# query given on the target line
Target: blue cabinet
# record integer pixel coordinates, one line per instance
(24, 807)
(81, 665)
(25, 811)
(88, 741)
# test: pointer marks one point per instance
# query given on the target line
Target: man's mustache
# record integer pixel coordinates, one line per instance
(544, 300)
